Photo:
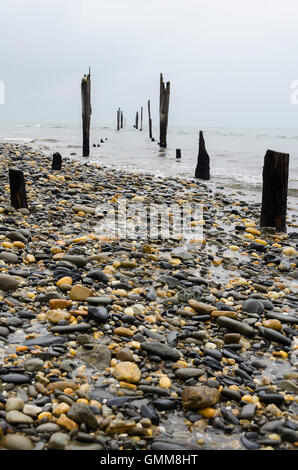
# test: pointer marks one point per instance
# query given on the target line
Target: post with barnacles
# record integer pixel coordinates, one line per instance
(86, 112)
(203, 163)
(163, 111)
(150, 120)
(275, 190)
(18, 196)
(57, 161)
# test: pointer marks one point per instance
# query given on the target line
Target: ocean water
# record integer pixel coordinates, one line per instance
(236, 154)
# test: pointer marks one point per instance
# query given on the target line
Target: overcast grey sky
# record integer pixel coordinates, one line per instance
(230, 62)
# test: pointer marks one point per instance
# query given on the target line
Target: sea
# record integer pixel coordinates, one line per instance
(236, 154)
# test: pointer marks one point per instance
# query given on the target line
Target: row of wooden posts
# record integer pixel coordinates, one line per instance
(275, 169)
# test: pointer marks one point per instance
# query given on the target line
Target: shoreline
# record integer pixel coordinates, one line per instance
(208, 336)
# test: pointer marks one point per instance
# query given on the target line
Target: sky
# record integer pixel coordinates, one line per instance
(230, 62)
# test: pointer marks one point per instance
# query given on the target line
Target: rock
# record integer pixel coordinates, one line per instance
(45, 341)
(285, 266)
(232, 338)
(99, 357)
(162, 350)
(289, 386)
(224, 313)
(149, 412)
(16, 442)
(235, 326)
(199, 397)
(188, 372)
(201, 308)
(60, 304)
(55, 316)
(17, 417)
(273, 324)
(124, 354)
(80, 293)
(14, 403)
(81, 413)
(62, 384)
(15, 378)
(275, 336)
(33, 365)
(78, 260)
(248, 411)
(121, 331)
(127, 371)
(66, 423)
(83, 208)
(118, 426)
(32, 410)
(98, 275)
(101, 300)
(9, 258)
(8, 282)
(15, 236)
(253, 306)
(58, 441)
(47, 428)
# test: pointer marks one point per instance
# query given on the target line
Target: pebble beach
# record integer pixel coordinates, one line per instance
(110, 344)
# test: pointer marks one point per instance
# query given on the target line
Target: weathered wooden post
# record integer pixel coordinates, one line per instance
(163, 112)
(150, 120)
(121, 119)
(118, 119)
(141, 118)
(18, 196)
(137, 120)
(57, 161)
(203, 164)
(178, 153)
(275, 190)
(86, 112)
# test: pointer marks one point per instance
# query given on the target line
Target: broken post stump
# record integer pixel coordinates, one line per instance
(57, 161)
(150, 120)
(86, 112)
(275, 190)
(178, 153)
(18, 196)
(203, 164)
(163, 112)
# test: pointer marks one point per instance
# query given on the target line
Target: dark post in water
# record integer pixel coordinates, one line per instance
(86, 112)
(141, 119)
(121, 119)
(275, 190)
(56, 161)
(137, 120)
(203, 164)
(178, 153)
(118, 119)
(18, 196)
(150, 120)
(163, 112)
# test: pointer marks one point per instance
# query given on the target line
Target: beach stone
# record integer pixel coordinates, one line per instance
(16, 442)
(201, 308)
(127, 372)
(55, 316)
(66, 422)
(81, 413)
(232, 338)
(235, 326)
(47, 428)
(45, 341)
(33, 365)
(199, 397)
(58, 441)
(124, 354)
(79, 261)
(32, 410)
(98, 275)
(224, 313)
(15, 378)
(60, 304)
(273, 324)
(100, 300)
(98, 357)
(8, 282)
(14, 403)
(186, 373)
(285, 266)
(17, 417)
(253, 306)
(80, 293)
(248, 411)
(275, 336)
(62, 384)
(10, 258)
(16, 236)
(162, 350)
(122, 331)
(84, 208)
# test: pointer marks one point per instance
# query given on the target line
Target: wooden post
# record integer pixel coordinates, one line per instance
(121, 119)
(57, 161)
(150, 120)
(203, 165)
(275, 190)
(163, 112)
(118, 119)
(18, 194)
(137, 120)
(86, 112)
(141, 119)
(178, 153)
